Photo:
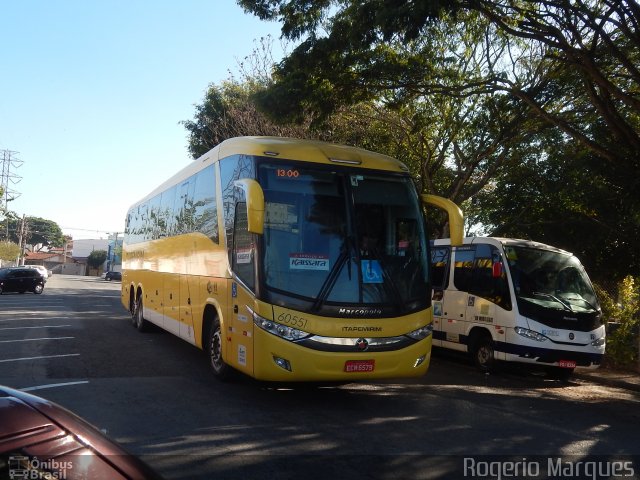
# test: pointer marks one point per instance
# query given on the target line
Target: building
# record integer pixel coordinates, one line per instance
(72, 259)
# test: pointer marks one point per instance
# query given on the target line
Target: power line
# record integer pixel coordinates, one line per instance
(89, 230)
(7, 177)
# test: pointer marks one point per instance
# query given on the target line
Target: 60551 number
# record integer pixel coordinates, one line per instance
(292, 320)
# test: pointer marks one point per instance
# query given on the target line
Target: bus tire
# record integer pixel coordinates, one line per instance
(138, 316)
(483, 353)
(220, 369)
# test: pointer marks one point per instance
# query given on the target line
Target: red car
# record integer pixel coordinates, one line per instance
(40, 439)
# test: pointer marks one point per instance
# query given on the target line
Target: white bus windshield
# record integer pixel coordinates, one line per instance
(551, 279)
(341, 236)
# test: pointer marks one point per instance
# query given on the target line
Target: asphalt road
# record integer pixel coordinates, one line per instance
(152, 392)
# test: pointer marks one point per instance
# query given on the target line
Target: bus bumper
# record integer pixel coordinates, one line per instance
(280, 360)
(550, 353)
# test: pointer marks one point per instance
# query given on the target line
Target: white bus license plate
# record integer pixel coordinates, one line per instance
(354, 366)
(567, 364)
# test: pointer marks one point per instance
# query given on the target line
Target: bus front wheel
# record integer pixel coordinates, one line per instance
(483, 353)
(214, 352)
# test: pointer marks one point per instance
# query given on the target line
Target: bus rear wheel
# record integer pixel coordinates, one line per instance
(138, 316)
(482, 353)
(220, 369)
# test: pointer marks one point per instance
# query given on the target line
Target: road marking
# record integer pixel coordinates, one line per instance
(35, 339)
(29, 319)
(52, 385)
(39, 358)
(42, 326)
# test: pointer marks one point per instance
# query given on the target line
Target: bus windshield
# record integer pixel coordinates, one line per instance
(335, 237)
(551, 279)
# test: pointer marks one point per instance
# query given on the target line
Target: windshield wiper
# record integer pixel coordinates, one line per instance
(567, 306)
(580, 299)
(334, 273)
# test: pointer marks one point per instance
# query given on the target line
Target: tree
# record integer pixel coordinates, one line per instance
(9, 250)
(97, 258)
(227, 111)
(556, 196)
(597, 41)
(570, 68)
(35, 231)
(595, 44)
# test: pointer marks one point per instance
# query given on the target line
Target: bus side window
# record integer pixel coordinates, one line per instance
(243, 248)
(484, 284)
(463, 271)
(440, 257)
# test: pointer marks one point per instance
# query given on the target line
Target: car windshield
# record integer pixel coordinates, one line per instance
(550, 279)
(336, 236)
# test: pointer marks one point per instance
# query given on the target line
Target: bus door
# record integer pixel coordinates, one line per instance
(240, 330)
(456, 299)
(479, 274)
(440, 267)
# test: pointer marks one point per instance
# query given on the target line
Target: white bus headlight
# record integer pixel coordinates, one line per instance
(599, 342)
(530, 334)
(422, 332)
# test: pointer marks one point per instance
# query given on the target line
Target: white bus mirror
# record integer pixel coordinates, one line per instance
(255, 204)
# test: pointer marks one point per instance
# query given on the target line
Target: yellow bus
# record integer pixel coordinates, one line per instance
(287, 260)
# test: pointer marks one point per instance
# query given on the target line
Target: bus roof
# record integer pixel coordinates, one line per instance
(308, 150)
(514, 242)
(284, 148)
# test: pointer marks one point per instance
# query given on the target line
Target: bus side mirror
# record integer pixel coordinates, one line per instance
(255, 204)
(497, 270)
(456, 220)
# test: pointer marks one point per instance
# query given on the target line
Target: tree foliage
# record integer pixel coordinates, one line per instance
(593, 44)
(9, 250)
(226, 112)
(97, 258)
(622, 344)
(595, 41)
(35, 231)
(526, 113)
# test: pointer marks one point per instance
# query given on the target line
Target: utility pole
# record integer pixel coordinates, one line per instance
(8, 159)
(22, 240)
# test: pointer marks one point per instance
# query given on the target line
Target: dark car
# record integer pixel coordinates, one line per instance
(113, 276)
(21, 279)
(40, 439)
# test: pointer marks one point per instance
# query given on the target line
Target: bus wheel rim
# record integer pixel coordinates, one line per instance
(216, 350)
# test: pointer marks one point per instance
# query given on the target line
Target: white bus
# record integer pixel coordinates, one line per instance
(518, 301)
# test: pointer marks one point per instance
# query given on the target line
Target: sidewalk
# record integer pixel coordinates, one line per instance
(610, 378)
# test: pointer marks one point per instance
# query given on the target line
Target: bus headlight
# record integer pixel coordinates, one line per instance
(422, 332)
(278, 329)
(530, 334)
(599, 342)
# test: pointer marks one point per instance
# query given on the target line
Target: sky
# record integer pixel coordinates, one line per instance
(92, 94)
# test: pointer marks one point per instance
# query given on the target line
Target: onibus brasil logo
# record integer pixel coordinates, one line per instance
(22, 467)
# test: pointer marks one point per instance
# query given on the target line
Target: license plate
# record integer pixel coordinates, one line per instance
(567, 364)
(354, 366)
